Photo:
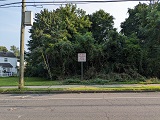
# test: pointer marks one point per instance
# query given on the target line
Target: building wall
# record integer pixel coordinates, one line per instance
(1, 69)
(12, 61)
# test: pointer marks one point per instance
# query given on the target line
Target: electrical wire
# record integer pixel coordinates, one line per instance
(66, 2)
(10, 4)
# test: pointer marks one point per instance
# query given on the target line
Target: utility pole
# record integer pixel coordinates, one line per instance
(21, 73)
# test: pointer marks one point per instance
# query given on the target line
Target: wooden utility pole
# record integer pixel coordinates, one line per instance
(21, 72)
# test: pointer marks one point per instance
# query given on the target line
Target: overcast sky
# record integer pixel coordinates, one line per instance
(10, 18)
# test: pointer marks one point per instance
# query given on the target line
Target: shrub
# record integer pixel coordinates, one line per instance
(152, 80)
(72, 81)
(99, 81)
(90, 73)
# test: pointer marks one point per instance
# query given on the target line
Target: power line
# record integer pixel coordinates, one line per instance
(10, 4)
(64, 2)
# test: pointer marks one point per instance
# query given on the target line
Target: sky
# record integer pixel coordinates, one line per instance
(10, 18)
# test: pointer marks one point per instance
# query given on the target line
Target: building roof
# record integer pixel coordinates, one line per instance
(7, 54)
(6, 65)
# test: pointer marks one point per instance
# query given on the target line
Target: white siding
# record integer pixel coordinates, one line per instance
(12, 61)
(1, 69)
(1, 60)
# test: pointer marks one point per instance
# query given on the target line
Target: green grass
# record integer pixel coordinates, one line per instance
(32, 90)
(8, 81)
(35, 81)
(107, 82)
(147, 88)
(79, 89)
(29, 81)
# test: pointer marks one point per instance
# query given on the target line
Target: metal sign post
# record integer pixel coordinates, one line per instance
(81, 58)
(81, 70)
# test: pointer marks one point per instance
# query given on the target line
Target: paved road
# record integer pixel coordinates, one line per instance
(98, 106)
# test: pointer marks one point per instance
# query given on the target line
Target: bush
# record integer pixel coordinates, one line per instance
(90, 73)
(152, 80)
(125, 76)
(99, 82)
(121, 77)
(71, 81)
(135, 75)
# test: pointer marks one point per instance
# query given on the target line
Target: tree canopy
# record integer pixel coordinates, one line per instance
(57, 37)
(15, 50)
(3, 48)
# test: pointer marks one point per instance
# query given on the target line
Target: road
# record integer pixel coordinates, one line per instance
(97, 106)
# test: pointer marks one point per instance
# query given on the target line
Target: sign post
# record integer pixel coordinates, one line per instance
(81, 58)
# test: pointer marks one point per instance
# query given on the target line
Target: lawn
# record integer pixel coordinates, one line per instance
(80, 89)
(29, 81)
(36, 81)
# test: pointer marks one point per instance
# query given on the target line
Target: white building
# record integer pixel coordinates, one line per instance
(8, 64)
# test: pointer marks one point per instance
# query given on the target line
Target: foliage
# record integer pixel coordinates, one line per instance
(52, 45)
(143, 21)
(15, 50)
(152, 80)
(133, 23)
(102, 24)
(3, 48)
(58, 36)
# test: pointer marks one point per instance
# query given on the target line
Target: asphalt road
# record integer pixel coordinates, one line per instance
(97, 106)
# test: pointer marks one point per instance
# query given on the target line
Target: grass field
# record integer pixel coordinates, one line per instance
(29, 81)
(35, 81)
(80, 90)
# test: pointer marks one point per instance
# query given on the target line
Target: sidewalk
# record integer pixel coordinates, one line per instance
(98, 86)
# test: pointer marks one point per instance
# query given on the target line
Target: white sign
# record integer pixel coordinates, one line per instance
(81, 57)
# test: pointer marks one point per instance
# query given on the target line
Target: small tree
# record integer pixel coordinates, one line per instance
(3, 48)
(15, 50)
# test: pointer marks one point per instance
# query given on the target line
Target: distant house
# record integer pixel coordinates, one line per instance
(8, 64)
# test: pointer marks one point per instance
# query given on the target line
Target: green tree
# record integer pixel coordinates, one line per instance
(15, 50)
(135, 21)
(102, 24)
(52, 38)
(152, 41)
(3, 48)
(143, 21)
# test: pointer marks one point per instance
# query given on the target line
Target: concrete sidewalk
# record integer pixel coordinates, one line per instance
(98, 86)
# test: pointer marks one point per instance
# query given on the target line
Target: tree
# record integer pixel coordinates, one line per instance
(102, 24)
(152, 41)
(143, 21)
(135, 21)
(15, 50)
(3, 48)
(57, 36)
(52, 38)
